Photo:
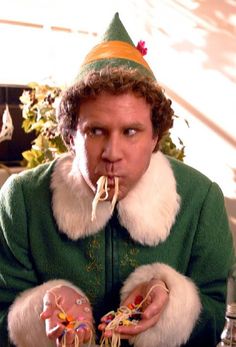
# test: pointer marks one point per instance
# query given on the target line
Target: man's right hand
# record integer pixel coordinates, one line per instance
(60, 300)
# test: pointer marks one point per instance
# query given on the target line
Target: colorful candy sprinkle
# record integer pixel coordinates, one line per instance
(138, 300)
(62, 316)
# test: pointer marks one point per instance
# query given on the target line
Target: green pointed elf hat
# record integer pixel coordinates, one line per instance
(115, 49)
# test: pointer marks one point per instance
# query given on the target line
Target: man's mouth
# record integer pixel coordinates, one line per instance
(111, 181)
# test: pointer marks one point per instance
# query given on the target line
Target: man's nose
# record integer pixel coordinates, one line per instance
(112, 149)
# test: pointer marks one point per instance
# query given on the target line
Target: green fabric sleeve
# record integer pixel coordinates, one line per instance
(211, 259)
(16, 272)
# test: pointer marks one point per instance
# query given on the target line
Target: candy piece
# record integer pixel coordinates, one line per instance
(62, 316)
(135, 321)
(131, 306)
(138, 299)
(109, 318)
(70, 318)
(126, 322)
(135, 316)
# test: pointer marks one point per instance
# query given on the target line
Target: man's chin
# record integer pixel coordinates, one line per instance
(111, 193)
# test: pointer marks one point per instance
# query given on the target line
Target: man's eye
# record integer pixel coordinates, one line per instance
(130, 132)
(95, 132)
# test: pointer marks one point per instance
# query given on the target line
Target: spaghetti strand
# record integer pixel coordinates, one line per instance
(102, 194)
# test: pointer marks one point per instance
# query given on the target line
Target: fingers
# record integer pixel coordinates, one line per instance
(52, 327)
(109, 333)
(68, 317)
(48, 306)
(88, 334)
(81, 335)
(71, 337)
(142, 326)
(67, 338)
(55, 332)
(155, 303)
(147, 302)
(139, 290)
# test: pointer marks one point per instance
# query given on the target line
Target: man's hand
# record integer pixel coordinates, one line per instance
(60, 300)
(151, 309)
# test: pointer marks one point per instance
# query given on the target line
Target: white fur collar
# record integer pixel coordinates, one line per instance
(147, 212)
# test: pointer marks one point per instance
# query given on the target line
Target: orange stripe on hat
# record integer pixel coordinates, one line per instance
(115, 49)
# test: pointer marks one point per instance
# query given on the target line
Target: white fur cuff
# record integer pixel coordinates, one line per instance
(181, 313)
(26, 329)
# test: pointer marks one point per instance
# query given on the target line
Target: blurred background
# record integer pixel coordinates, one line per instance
(191, 48)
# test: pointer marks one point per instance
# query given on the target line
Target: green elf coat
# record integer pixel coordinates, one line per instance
(172, 225)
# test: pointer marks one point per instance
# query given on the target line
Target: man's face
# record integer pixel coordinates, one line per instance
(114, 138)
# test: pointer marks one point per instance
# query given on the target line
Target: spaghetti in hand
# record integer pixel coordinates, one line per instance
(68, 317)
(140, 311)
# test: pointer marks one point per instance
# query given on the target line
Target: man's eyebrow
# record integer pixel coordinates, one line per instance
(92, 123)
(97, 124)
(135, 125)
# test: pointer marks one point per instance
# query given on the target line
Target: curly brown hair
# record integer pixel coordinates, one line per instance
(116, 81)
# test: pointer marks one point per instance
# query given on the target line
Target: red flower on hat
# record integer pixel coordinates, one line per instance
(141, 47)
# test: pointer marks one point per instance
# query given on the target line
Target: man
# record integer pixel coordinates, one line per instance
(114, 216)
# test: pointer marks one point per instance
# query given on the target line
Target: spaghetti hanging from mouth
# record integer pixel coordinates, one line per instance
(102, 194)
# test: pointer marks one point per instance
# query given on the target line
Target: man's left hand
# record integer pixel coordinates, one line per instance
(152, 309)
